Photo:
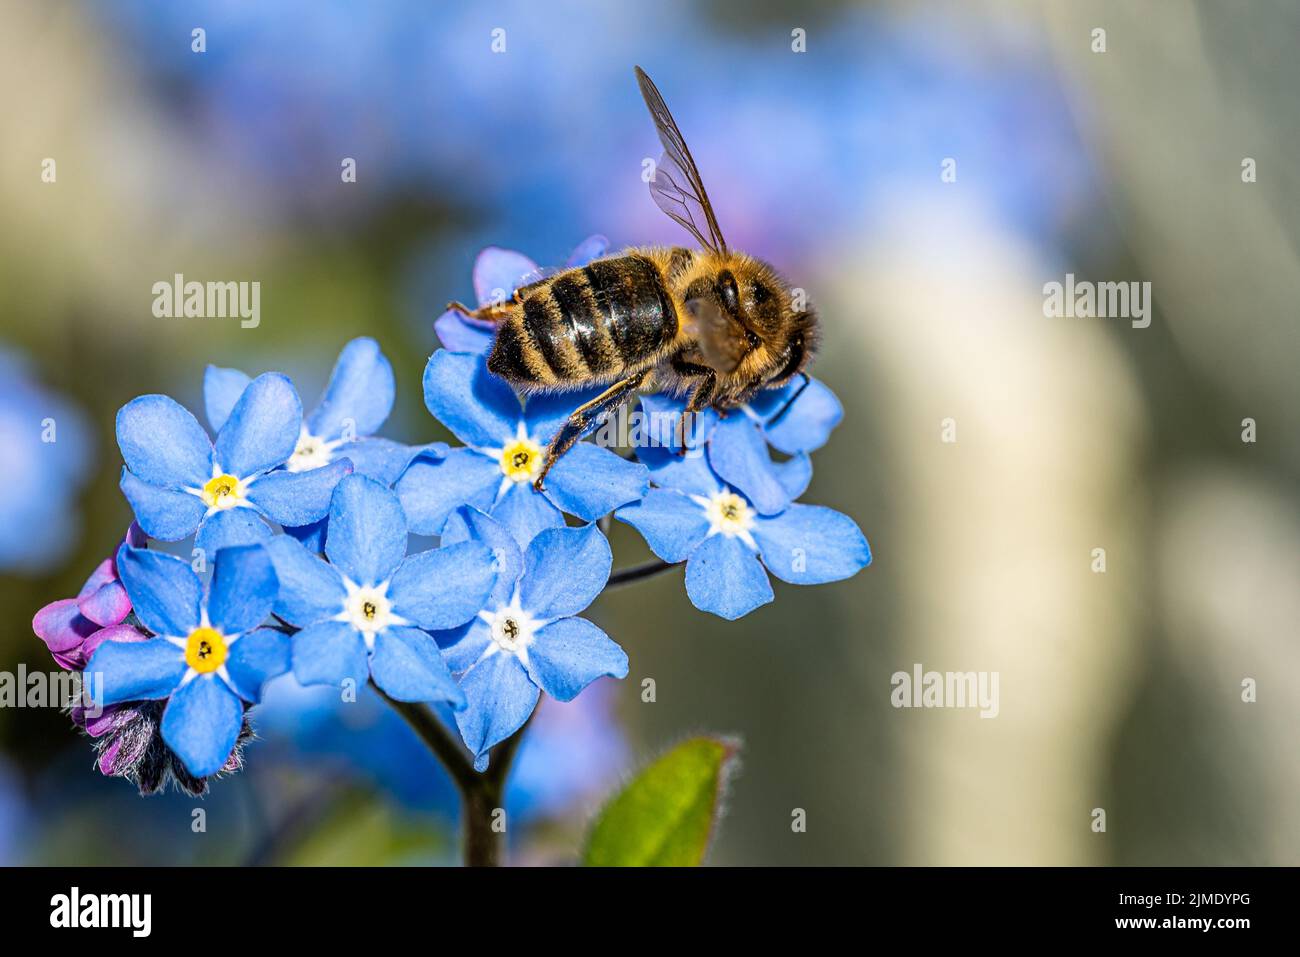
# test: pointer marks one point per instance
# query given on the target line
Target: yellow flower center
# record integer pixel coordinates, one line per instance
(205, 650)
(521, 460)
(222, 491)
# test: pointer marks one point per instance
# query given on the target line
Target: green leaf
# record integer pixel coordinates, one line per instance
(665, 816)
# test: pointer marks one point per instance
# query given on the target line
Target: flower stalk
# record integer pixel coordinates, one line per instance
(481, 794)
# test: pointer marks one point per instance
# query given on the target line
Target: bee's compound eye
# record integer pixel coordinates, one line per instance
(761, 293)
(728, 291)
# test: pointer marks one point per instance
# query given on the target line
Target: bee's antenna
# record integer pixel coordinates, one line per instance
(790, 401)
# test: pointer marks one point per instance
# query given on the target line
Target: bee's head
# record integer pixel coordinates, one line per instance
(749, 324)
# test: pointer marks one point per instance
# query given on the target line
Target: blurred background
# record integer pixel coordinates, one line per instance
(1119, 690)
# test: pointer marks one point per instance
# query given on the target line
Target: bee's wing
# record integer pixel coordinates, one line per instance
(676, 187)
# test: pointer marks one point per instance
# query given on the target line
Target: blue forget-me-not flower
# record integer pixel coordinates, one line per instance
(729, 546)
(363, 611)
(528, 636)
(176, 478)
(209, 654)
(505, 442)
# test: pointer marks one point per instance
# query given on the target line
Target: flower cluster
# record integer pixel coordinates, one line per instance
(301, 528)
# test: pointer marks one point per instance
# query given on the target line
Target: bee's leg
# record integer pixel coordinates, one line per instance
(587, 414)
(706, 383)
(492, 312)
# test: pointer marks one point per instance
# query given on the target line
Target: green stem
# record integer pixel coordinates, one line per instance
(625, 576)
(482, 795)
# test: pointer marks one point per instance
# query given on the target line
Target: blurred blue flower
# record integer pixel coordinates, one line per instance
(15, 816)
(209, 654)
(176, 478)
(361, 613)
(503, 455)
(497, 274)
(886, 95)
(46, 462)
(573, 752)
(528, 638)
(693, 516)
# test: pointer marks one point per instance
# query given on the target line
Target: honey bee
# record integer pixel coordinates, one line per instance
(713, 324)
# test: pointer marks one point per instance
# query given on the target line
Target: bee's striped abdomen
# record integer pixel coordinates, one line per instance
(589, 323)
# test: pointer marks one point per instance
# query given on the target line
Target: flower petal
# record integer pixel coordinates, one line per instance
(499, 697)
(545, 412)
(310, 588)
(262, 428)
(103, 574)
(671, 523)
(432, 488)
(202, 723)
(221, 390)
(738, 454)
(367, 531)
(162, 442)
(725, 578)
(469, 524)
(408, 666)
(794, 474)
(298, 498)
(479, 408)
(564, 570)
(383, 459)
(243, 589)
(329, 653)
(164, 590)
(359, 395)
(256, 658)
(589, 481)
(458, 333)
(112, 633)
(462, 647)
(660, 424)
(498, 272)
(231, 527)
(807, 423)
(526, 511)
(64, 629)
(311, 536)
(689, 473)
(166, 514)
(106, 605)
(811, 544)
(134, 670)
(593, 247)
(569, 654)
(443, 587)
